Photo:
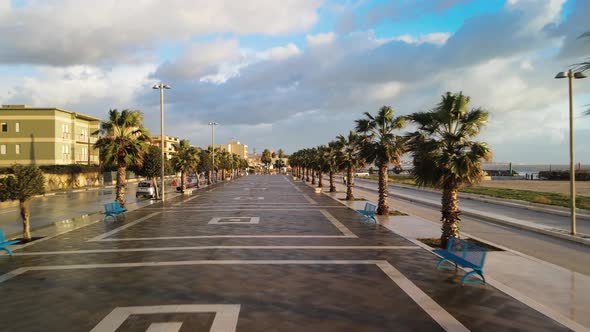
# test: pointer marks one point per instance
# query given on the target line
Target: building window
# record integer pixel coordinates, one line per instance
(3, 149)
(17, 127)
(66, 131)
(18, 149)
(84, 154)
(4, 127)
(65, 150)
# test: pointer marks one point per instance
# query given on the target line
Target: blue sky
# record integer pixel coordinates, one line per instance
(296, 73)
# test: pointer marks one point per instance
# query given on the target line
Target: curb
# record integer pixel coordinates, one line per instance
(518, 225)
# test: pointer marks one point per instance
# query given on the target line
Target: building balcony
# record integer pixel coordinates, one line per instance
(86, 139)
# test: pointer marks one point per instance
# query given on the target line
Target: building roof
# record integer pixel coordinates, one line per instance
(27, 107)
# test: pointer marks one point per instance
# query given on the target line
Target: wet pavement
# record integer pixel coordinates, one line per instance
(261, 253)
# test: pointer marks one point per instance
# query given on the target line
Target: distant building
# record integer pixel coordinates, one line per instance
(235, 147)
(169, 142)
(46, 136)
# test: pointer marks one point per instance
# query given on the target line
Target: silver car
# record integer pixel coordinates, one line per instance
(145, 189)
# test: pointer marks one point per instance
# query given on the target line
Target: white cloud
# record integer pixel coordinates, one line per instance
(85, 89)
(436, 38)
(320, 38)
(66, 32)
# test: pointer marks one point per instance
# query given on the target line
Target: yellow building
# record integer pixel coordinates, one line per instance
(235, 147)
(46, 136)
(169, 142)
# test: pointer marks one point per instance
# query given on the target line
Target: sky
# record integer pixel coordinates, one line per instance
(292, 74)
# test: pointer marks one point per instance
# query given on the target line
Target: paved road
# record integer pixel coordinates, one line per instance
(572, 256)
(538, 217)
(50, 209)
(259, 254)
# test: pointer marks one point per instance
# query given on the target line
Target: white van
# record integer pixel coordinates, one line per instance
(361, 174)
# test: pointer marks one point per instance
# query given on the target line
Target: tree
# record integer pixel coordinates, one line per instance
(22, 185)
(281, 154)
(266, 157)
(152, 166)
(273, 154)
(185, 160)
(444, 154)
(206, 164)
(331, 160)
(124, 143)
(349, 159)
(380, 145)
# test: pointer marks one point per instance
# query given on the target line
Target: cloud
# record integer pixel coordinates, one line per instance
(320, 38)
(199, 59)
(69, 32)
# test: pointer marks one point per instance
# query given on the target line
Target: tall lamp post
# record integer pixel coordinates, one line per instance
(570, 75)
(161, 87)
(213, 124)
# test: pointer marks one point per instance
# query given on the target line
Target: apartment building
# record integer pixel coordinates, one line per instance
(235, 147)
(46, 136)
(169, 142)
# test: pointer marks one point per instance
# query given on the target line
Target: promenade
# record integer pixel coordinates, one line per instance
(261, 253)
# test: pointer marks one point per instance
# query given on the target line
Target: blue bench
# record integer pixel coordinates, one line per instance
(4, 243)
(113, 210)
(464, 254)
(368, 212)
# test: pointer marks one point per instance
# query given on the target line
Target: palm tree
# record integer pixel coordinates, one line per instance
(124, 143)
(185, 160)
(445, 156)
(331, 159)
(380, 145)
(349, 158)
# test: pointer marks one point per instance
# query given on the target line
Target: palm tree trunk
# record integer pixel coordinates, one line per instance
(121, 185)
(25, 213)
(320, 182)
(313, 176)
(383, 205)
(307, 173)
(349, 184)
(210, 178)
(156, 189)
(198, 180)
(332, 186)
(181, 181)
(450, 214)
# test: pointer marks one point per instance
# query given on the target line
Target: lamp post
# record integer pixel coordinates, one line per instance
(213, 124)
(570, 75)
(161, 87)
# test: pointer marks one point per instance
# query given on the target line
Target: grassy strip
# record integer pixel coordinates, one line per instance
(582, 202)
(556, 199)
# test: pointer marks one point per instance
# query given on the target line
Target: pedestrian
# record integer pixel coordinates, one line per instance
(344, 179)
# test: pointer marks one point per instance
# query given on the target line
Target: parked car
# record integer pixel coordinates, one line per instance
(361, 174)
(145, 189)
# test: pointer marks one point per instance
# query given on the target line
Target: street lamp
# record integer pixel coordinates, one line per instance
(213, 124)
(161, 87)
(570, 75)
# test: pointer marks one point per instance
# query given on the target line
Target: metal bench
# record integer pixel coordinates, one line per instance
(464, 254)
(4, 243)
(368, 212)
(113, 210)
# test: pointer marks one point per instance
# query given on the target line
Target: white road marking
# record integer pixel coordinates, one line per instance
(226, 237)
(309, 199)
(233, 220)
(116, 230)
(164, 327)
(435, 311)
(100, 251)
(186, 200)
(226, 316)
(338, 224)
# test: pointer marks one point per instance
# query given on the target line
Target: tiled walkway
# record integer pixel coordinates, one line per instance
(261, 253)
